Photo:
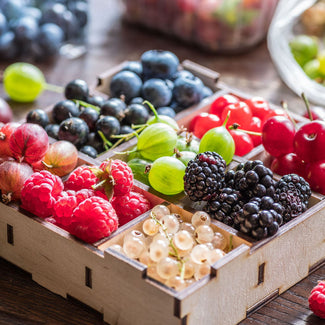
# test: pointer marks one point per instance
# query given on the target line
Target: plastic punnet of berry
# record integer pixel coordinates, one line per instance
(176, 253)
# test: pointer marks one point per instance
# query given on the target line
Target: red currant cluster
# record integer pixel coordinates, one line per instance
(249, 114)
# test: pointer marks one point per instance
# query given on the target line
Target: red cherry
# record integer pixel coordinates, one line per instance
(317, 113)
(195, 119)
(309, 141)
(277, 136)
(256, 126)
(275, 112)
(259, 107)
(239, 113)
(221, 102)
(205, 123)
(315, 176)
(243, 142)
(289, 164)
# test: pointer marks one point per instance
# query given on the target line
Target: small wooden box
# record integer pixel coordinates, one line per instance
(120, 288)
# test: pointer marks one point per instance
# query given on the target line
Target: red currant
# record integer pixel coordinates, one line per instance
(243, 142)
(195, 119)
(205, 123)
(221, 102)
(239, 113)
(315, 176)
(259, 107)
(256, 126)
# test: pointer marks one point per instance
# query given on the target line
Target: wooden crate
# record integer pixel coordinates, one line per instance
(120, 288)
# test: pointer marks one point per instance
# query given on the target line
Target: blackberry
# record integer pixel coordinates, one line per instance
(252, 179)
(259, 218)
(225, 206)
(204, 176)
(293, 193)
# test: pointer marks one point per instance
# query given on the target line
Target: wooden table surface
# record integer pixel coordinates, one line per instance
(24, 302)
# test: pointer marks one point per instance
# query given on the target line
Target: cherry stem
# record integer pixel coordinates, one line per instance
(47, 165)
(54, 88)
(310, 115)
(235, 127)
(286, 109)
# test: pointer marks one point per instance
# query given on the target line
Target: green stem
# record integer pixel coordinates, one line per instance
(54, 88)
(98, 185)
(286, 109)
(152, 108)
(235, 126)
(107, 144)
(84, 104)
(310, 115)
(226, 119)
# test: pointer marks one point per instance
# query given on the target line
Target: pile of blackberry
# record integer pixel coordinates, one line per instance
(246, 198)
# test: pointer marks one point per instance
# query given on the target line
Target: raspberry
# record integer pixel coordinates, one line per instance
(93, 219)
(82, 177)
(115, 176)
(39, 193)
(130, 206)
(66, 203)
(316, 300)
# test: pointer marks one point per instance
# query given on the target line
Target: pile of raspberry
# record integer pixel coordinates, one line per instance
(90, 204)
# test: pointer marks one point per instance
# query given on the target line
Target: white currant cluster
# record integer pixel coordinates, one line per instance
(176, 252)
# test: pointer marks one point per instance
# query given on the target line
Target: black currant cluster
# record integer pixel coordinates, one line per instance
(91, 128)
(246, 198)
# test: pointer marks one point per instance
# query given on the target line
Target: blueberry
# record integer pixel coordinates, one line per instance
(136, 114)
(75, 130)
(165, 110)
(157, 92)
(64, 109)
(136, 100)
(8, 45)
(114, 107)
(70, 25)
(90, 116)
(12, 9)
(34, 12)
(80, 10)
(37, 116)
(133, 66)
(159, 64)
(108, 125)
(187, 91)
(77, 89)
(126, 83)
(89, 151)
(53, 13)
(96, 100)
(3, 23)
(50, 38)
(26, 29)
(52, 130)
(126, 129)
(206, 92)
(182, 74)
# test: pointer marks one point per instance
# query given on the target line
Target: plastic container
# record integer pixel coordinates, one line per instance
(217, 25)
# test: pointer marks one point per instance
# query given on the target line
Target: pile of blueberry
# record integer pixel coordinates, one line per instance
(35, 29)
(157, 78)
(94, 128)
